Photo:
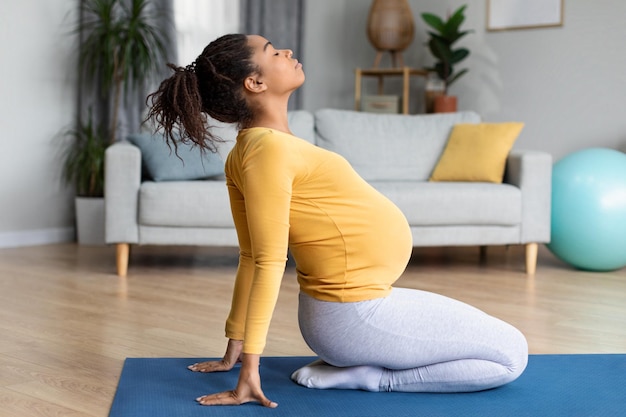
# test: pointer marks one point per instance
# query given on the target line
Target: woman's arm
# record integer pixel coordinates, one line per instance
(260, 177)
(235, 324)
(260, 192)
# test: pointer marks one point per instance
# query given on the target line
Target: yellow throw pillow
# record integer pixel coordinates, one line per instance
(477, 152)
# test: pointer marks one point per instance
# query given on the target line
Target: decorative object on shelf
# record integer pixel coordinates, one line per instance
(445, 104)
(523, 14)
(380, 104)
(588, 224)
(121, 47)
(434, 87)
(444, 35)
(390, 28)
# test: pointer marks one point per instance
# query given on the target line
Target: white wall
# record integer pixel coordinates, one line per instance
(567, 84)
(37, 102)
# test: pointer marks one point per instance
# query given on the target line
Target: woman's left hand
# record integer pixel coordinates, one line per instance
(248, 387)
(231, 357)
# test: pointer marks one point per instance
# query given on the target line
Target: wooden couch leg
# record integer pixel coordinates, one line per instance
(531, 258)
(122, 255)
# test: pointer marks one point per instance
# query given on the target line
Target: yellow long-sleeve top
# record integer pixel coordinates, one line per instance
(349, 242)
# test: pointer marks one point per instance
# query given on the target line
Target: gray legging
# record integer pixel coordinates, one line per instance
(424, 342)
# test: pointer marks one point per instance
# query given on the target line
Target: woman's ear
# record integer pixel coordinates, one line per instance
(253, 85)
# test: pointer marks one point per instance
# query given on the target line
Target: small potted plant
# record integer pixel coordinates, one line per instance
(444, 35)
(83, 167)
(121, 48)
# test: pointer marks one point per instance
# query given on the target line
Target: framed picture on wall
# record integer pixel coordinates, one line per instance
(523, 14)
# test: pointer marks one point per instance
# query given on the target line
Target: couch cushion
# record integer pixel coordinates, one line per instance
(477, 152)
(454, 203)
(300, 123)
(185, 204)
(163, 163)
(388, 146)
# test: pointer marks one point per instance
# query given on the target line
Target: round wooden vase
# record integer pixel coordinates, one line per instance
(445, 104)
(390, 28)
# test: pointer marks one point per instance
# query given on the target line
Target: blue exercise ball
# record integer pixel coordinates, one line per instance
(589, 209)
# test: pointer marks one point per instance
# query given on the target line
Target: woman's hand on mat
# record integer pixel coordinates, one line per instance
(248, 387)
(231, 357)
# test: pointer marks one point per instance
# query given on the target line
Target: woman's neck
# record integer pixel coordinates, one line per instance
(272, 115)
(270, 123)
(277, 120)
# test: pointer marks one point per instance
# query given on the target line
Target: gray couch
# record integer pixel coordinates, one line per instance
(394, 153)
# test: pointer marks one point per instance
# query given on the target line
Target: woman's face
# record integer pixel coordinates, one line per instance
(280, 72)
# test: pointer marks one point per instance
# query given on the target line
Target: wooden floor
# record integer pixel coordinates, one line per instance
(67, 321)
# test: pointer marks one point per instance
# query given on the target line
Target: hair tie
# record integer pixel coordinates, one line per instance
(191, 67)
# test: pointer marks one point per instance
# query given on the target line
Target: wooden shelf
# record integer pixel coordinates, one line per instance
(405, 72)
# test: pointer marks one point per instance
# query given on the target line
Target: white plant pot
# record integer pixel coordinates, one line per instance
(90, 220)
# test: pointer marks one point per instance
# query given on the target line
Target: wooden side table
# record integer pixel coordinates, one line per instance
(381, 73)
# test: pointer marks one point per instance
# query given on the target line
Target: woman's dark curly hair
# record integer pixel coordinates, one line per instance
(212, 85)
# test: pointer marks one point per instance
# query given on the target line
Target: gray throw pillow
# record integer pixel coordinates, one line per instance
(162, 163)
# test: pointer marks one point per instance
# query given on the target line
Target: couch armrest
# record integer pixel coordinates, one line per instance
(531, 171)
(122, 180)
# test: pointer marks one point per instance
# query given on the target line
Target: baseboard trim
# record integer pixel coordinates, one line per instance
(36, 237)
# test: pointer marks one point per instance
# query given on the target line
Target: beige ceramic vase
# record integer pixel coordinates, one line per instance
(390, 28)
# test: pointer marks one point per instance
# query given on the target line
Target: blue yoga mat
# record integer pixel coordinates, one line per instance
(552, 385)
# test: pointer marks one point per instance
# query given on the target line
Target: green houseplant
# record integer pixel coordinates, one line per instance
(84, 168)
(121, 49)
(84, 159)
(443, 37)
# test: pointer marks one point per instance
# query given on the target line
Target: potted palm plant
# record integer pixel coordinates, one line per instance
(121, 49)
(443, 36)
(84, 168)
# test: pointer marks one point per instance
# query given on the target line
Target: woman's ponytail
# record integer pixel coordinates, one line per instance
(212, 85)
(176, 108)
